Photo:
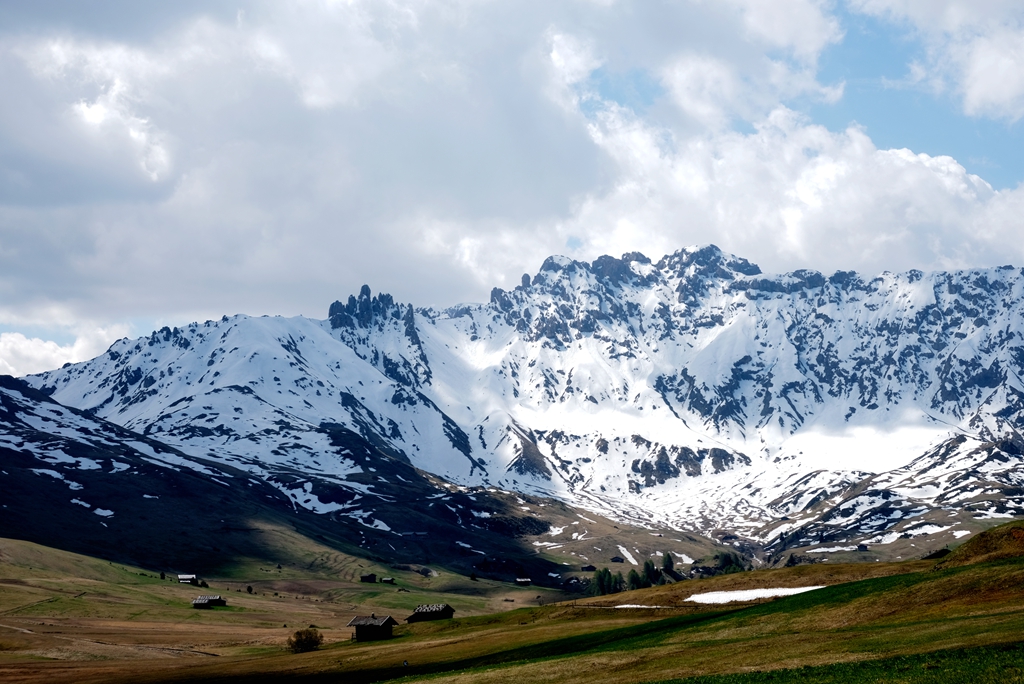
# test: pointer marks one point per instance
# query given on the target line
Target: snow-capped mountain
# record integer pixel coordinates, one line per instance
(785, 410)
(77, 482)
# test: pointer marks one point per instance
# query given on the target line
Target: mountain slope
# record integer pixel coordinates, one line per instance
(76, 482)
(695, 391)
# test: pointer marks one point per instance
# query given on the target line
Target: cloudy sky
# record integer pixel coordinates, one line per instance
(168, 162)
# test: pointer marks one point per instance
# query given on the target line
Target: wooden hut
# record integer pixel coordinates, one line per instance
(523, 581)
(618, 559)
(369, 579)
(188, 579)
(371, 627)
(431, 611)
(214, 601)
(588, 568)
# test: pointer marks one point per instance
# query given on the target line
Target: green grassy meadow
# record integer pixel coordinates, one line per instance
(72, 618)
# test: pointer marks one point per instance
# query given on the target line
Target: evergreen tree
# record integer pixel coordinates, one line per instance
(651, 574)
(603, 582)
(597, 583)
(667, 564)
(618, 583)
(633, 581)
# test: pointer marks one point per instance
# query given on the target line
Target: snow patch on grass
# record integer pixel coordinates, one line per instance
(636, 605)
(747, 594)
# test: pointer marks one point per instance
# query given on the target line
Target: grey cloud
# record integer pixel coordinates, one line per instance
(128, 20)
(182, 160)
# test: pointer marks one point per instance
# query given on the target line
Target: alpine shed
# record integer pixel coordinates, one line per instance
(372, 628)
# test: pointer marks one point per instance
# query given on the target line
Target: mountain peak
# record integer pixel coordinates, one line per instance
(696, 389)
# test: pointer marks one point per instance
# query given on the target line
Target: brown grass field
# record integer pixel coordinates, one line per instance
(70, 618)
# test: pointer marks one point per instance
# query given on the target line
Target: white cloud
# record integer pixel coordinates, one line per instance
(572, 59)
(327, 49)
(113, 73)
(274, 160)
(789, 195)
(21, 355)
(705, 88)
(975, 48)
(804, 27)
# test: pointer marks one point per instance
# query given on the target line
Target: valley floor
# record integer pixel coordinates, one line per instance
(68, 618)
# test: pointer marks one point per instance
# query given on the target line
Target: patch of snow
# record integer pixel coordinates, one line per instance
(636, 605)
(926, 529)
(103, 512)
(51, 473)
(627, 555)
(747, 594)
(887, 538)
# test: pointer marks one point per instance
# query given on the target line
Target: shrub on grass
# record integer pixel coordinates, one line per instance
(305, 640)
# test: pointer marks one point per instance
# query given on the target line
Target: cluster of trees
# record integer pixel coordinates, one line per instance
(605, 582)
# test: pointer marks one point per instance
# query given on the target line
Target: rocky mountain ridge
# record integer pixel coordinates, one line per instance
(774, 412)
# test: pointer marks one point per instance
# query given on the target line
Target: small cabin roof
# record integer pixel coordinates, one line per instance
(433, 608)
(372, 621)
(208, 597)
(186, 577)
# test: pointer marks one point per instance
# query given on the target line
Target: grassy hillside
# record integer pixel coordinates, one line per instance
(72, 618)
(984, 665)
(1004, 541)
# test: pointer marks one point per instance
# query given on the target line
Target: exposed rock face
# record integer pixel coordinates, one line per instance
(694, 389)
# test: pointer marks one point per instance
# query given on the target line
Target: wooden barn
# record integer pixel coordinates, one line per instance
(369, 579)
(387, 580)
(431, 611)
(523, 581)
(188, 579)
(588, 568)
(214, 601)
(372, 628)
(618, 559)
